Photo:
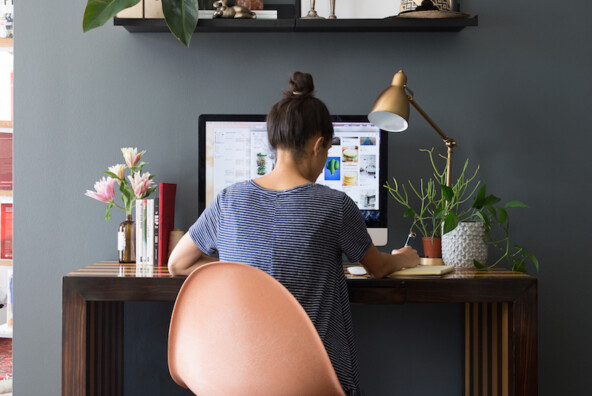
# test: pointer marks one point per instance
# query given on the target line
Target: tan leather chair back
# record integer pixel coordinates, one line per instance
(235, 330)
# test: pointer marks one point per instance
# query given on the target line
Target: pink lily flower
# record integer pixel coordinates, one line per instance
(118, 170)
(131, 156)
(140, 184)
(104, 190)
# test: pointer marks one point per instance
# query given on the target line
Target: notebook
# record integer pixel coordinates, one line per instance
(423, 270)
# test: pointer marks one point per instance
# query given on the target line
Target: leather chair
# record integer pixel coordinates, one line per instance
(235, 330)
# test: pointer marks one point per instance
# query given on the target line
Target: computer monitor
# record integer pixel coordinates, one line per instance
(234, 148)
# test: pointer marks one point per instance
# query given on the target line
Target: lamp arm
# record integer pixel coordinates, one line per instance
(450, 143)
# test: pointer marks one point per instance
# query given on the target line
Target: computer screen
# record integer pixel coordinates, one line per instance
(234, 148)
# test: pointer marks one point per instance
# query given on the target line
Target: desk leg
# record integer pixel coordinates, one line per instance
(105, 348)
(92, 345)
(487, 366)
(500, 348)
(73, 341)
(525, 343)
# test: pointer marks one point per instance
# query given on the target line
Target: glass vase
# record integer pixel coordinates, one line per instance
(126, 240)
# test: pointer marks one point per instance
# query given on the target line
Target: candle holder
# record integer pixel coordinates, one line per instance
(332, 16)
(312, 14)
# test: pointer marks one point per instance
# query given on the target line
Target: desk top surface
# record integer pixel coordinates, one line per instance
(112, 281)
(113, 269)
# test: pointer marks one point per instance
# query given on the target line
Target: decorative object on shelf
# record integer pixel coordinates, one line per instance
(138, 185)
(250, 4)
(312, 14)
(424, 5)
(181, 16)
(429, 9)
(225, 11)
(352, 9)
(332, 15)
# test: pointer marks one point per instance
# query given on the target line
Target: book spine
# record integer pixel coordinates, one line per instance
(144, 232)
(6, 231)
(156, 231)
(167, 194)
(140, 223)
(150, 231)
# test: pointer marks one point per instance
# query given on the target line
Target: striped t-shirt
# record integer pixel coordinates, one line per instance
(298, 236)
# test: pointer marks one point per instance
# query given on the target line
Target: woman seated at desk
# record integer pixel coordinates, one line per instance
(294, 229)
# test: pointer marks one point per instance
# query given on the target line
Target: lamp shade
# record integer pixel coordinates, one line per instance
(391, 109)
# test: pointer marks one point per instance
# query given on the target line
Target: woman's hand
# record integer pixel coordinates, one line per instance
(381, 264)
(407, 257)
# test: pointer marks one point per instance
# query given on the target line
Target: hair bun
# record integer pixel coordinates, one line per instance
(301, 85)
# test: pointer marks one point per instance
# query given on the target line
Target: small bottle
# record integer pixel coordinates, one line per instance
(126, 241)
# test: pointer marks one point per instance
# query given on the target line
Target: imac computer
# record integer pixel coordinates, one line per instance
(233, 148)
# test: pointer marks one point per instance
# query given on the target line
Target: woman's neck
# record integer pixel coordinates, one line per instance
(288, 173)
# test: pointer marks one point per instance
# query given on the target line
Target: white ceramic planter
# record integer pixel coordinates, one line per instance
(463, 244)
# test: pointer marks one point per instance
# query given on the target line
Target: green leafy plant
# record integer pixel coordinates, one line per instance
(439, 209)
(180, 15)
(496, 219)
(430, 203)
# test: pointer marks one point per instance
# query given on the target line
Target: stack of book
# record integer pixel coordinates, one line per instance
(155, 219)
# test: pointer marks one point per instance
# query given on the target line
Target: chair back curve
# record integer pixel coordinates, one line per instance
(235, 330)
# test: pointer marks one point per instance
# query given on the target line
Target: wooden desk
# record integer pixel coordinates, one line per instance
(500, 322)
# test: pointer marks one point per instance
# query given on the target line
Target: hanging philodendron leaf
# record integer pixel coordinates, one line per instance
(181, 18)
(450, 222)
(98, 12)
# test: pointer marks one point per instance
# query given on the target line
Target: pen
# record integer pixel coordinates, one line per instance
(411, 235)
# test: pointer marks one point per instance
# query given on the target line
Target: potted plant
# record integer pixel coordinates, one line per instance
(426, 203)
(493, 218)
(180, 16)
(467, 229)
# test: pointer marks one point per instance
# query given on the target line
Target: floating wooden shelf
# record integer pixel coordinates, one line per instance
(306, 25)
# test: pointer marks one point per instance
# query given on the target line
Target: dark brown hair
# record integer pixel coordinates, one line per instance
(299, 116)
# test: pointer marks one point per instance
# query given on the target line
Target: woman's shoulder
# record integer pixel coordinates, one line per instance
(327, 191)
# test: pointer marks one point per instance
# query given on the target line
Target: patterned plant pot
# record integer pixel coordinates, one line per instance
(463, 244)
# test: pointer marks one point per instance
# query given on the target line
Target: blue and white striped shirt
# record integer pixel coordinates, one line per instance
(298, 236)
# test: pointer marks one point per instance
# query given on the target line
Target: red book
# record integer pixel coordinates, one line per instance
(166, 204)
(6, 161)
(6, 231)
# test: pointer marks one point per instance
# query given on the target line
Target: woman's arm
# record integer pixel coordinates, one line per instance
(186, 257)
(380, 264)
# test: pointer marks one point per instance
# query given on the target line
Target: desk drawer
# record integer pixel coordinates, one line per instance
(373, 295)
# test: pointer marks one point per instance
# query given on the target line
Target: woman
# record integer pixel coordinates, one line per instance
(294, 229)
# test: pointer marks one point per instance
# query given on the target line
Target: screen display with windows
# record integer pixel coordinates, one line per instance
(235, 148)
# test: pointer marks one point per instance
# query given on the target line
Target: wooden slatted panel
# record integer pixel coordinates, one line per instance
(487, 349)
(105, 348)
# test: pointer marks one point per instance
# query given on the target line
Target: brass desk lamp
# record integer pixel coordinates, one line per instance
(391, 113)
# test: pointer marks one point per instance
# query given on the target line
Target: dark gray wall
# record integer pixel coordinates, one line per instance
(514, 92)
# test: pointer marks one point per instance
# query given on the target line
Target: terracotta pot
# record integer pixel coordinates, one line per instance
(432, 247)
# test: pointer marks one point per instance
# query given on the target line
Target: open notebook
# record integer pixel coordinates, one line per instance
(423, 270)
